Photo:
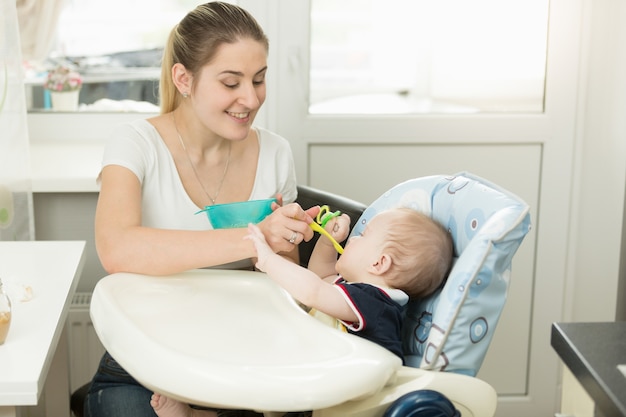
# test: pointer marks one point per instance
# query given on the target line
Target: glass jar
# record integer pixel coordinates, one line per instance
(5, 314)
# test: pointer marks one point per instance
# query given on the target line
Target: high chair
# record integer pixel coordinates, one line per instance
(234, 339)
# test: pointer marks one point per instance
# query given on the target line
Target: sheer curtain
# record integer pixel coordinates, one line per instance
(37, 22)
(16, 198)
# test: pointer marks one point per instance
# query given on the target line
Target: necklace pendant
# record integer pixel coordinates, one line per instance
(193, 167)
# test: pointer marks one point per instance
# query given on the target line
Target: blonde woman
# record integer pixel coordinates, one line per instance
(201, 150)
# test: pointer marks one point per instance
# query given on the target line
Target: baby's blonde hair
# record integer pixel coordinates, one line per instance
(421, 251)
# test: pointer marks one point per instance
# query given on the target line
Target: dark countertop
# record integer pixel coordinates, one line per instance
(592, 352)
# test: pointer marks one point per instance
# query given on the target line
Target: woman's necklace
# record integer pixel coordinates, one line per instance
(193, 167)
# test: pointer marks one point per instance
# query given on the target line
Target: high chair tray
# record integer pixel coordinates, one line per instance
(232, 339)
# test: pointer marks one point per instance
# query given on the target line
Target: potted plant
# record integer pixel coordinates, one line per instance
(64, 84)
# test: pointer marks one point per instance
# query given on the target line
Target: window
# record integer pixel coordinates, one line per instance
(422, 56)
(117, 47)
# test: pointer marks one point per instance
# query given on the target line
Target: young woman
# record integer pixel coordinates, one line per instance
(201, 150)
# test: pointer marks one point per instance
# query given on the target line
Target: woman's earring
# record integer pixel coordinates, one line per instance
(185, 95)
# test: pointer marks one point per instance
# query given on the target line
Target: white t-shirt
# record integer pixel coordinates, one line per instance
(165, 203)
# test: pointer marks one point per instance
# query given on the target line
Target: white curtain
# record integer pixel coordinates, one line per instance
(16, 198)
(38, 21)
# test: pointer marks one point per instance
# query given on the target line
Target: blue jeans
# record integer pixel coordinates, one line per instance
(114, 393)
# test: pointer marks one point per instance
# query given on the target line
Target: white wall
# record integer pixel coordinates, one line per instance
(600, 169)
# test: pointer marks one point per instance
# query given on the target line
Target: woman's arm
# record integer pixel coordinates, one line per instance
(124, 245)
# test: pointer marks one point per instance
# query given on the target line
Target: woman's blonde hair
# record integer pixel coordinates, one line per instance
(421, 250)
(194, 41)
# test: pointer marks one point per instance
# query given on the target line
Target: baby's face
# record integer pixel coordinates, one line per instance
(364, 250)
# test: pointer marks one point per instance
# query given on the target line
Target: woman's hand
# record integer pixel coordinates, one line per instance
(287, 226)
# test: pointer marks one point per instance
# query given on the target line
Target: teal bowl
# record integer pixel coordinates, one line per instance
(232, 215)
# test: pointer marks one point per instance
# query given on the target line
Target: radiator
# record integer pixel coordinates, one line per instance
(85, 349)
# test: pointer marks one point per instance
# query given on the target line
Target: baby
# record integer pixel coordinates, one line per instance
(401, 254)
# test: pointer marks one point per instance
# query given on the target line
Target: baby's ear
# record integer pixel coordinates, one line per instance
(382, 265)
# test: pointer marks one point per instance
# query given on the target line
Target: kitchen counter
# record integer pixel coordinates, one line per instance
(592, 352)
(36, 348)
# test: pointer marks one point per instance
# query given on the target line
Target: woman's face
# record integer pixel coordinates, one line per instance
(229, 91)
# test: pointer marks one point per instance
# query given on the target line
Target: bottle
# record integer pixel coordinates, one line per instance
(5, 314)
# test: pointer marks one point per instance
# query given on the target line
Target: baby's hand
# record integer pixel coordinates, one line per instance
(263, 250)
(339, 227)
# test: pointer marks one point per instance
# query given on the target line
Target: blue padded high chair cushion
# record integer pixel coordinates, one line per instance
(452, 329)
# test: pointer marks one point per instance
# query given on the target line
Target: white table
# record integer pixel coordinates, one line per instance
(35, 349)
(232, 339)
(235, 339)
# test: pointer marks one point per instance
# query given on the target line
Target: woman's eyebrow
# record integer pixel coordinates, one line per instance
(241, 74)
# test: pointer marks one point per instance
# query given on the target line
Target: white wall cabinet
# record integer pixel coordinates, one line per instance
(70, 216)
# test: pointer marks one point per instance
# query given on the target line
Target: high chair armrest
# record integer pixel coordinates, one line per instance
(471, 396)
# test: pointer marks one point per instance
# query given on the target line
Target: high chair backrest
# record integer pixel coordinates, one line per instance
(451, 329)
